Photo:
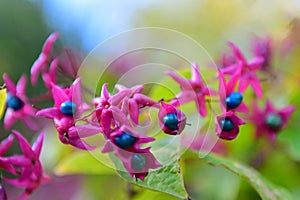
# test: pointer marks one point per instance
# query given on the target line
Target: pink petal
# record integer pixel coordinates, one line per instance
(59, 95)
(5, 144)
(287, 111)
(31, 123)
(38, 66)
(106, 118)
(183, 82)
(24, 145)
(144, 100)
(52, 70)
(133, 110)
(256, 63)
(222, 85)
(9, 118)
(230, 69)
(256, 86)
(21, 86)
(238, 53)
(49, 43)
(118, 116)
(201, 105)
(104, 92)
(242, 108)
(37, 146)
(244, 83)
(107, 147)
(81, 144)
(49, 113)
(83, 131)
(196, 77)
(17, 160)
(9, 84)
(117, 98)
(75, 93)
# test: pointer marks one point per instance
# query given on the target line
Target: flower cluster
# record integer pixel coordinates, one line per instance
(116, 116)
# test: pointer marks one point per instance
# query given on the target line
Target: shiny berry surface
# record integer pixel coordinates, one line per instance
(233, 100)
(124, 140)
(138, 161)
(273, 121)
(226, 124)
(68, 108)
(14, 102)
(171, 121)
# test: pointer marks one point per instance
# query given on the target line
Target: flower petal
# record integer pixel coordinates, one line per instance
(49, 113)
(38, 66)
(21, 86)
(9, 84)
(133, 110)
(37, 146)
(118, 116)
(59, 95)
(49, 43)
(5, 144)
(9, 118)
(24, 145)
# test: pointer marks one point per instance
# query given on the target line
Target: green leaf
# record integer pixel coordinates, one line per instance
(148, 194)
(166, 179)
(82, 162)
(2, 101)
(264, 188)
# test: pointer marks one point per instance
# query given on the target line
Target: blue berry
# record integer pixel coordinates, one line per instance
(171, 121)
(233, 100)
(124, 140)
(273, 121)
(68, 108)
(14, 102)
(226, 124)
(138, 161)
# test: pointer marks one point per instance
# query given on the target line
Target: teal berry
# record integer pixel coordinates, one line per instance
(273, 121)
(138, 161)
(14, 102)
(171, 121)
(233, 100)
(124, 140)
(68, 108)
(226, 124)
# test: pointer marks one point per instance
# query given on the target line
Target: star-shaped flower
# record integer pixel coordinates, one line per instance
(192, 90)
(108, 110)
(30, 169)
(246, 70)
(17, 105)
(270, 121)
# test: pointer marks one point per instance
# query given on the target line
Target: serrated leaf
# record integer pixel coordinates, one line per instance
(265, 189)
(2, 101)
(82, 162)
(166, 179)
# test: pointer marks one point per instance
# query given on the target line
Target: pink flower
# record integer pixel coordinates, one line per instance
(4, 146)
(270, 121)
(229, 98)
(40, 65)
(171, 119)
(262, 47)
(18, 107)
(192, 90)
(132, 104)
(108, 110)
(30, 167)
(227, 125)
(246, 71)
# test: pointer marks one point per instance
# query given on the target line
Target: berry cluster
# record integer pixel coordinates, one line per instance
(116, 116)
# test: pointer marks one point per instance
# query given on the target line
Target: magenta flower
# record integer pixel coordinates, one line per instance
(131, 104)
(29, 165)
(40, 65)
(17, 105)
(49, 77)
(227, 125)
(226, 60)
(229, 98)
(171, 119)
(126, 144)
(108, 110)
(262, 47)
(270, 121)
(246, 70)
(192, 90)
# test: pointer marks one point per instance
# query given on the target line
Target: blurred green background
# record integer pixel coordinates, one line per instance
(25, 24)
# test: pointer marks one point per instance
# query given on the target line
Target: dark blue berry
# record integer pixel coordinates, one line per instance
(233, 100)
(138, 161)
(273, 121)
(226, 124)
(124, 140)
(171, 121)
(68, 108)
(14, 102)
